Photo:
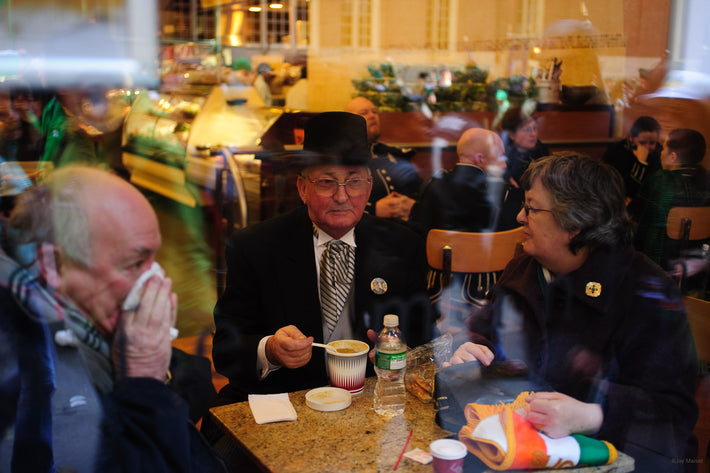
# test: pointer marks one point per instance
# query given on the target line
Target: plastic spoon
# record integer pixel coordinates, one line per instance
(327, 347)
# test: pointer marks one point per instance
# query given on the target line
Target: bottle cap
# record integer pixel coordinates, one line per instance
(391, 320)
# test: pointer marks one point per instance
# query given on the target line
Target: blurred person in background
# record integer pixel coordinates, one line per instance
(20, 130)
(395, 180)
(466, 199)
(522, 147)
(84, 125)
(638, 156)
(461, 199)
(683, 182)
(79, 243)
(594, 319)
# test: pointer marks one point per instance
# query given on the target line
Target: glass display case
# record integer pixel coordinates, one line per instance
(180, 142)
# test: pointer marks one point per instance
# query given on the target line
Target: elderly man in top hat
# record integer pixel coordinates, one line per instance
(274, 305)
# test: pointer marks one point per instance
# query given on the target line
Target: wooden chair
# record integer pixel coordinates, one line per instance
(689, 224)
(463, 252)
(699, 320)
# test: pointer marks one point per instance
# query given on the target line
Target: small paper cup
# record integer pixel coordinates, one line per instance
(347, 367)
(448, 455)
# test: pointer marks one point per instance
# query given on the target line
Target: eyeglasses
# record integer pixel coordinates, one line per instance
(355, 186)
(529, 209)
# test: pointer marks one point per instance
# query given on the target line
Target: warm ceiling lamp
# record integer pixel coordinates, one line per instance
(276, 6)
(255, 9)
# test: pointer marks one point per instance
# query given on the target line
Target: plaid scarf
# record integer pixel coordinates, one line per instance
(26, 287)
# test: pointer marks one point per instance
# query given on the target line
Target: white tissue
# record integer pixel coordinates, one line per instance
(133, 298)
(271, 408)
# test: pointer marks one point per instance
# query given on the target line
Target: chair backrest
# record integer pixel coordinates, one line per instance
(699, 320)
(465, 252)
(688, 223)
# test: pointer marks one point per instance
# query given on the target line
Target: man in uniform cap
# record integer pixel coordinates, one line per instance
(272, 309)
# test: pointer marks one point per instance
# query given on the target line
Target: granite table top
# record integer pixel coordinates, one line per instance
(355, 439)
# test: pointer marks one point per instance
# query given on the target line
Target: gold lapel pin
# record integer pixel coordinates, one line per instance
(593, 289)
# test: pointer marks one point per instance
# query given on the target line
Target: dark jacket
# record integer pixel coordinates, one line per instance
(621, 156)
(455, 200)
(684, 187)
(519, 161)
(624, 343)
(392, 171)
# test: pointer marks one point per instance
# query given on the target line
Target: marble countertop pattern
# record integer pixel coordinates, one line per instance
(355, 439)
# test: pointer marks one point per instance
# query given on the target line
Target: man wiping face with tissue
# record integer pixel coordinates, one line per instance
(96, 238)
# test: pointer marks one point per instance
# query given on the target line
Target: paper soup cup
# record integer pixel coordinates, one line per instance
(347, 367)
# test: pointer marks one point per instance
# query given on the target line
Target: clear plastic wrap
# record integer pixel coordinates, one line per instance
(422, 364)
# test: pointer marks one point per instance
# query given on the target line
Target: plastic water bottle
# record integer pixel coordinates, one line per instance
(390, 365)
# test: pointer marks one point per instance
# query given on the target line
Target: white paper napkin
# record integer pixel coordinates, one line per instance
(271, 408)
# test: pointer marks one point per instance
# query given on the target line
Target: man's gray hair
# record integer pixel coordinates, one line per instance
(587, 195)
(55, 212)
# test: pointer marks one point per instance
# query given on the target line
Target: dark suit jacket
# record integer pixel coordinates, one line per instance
(455, 200)
(271, 282)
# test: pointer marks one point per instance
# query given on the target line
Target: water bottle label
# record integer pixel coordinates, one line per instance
(390, 361)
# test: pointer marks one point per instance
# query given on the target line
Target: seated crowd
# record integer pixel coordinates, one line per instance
(587, 305)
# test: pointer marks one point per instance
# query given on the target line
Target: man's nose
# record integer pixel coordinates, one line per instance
(341, 195)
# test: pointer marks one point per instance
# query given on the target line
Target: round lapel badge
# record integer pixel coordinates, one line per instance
(378, 286)
(593, 289)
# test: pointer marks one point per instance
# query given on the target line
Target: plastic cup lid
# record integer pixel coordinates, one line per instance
(328, 399)
(448, 449)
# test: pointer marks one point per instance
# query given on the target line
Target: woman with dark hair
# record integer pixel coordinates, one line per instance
(637, 157)
(598, 322)
(522, 147)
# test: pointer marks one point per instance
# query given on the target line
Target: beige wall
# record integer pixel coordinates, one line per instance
(633, 35)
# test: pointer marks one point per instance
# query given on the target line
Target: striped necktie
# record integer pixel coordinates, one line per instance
(337, 268)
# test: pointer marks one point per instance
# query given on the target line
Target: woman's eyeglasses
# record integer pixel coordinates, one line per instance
(529, 209)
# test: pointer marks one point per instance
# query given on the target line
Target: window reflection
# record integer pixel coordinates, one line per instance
(189, 101)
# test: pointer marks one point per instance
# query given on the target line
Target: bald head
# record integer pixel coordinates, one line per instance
(366, 109)
(480, 147)
(90, 205)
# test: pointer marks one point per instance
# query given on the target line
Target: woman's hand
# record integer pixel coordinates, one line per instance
(558, 415)
(471, 352)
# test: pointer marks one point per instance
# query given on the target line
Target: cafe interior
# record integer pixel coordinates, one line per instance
(201, 104)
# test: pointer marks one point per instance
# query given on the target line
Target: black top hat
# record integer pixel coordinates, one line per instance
(335, 138)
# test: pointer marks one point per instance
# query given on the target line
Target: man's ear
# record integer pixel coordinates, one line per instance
(673, 157)
(49, 261)
(301, 185)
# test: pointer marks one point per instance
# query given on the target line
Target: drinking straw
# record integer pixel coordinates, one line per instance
(403, 450)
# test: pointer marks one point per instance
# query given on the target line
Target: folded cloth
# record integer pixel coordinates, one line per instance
(271, 408)
(504, 440)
